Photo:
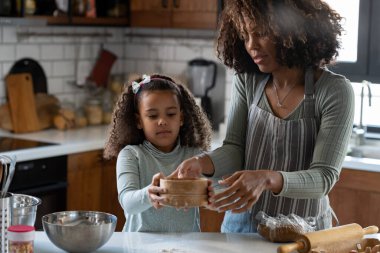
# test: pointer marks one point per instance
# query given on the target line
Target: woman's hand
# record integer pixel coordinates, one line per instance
(154, 191)
(190, 168)
(244, 189)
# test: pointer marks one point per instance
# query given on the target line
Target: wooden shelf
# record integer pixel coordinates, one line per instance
(82, 21)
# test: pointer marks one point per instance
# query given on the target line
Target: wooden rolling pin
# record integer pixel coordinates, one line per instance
(329, 238)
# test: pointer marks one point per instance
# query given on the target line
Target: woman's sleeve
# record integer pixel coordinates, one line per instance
(230, 157)
(133, 199)
(337, 103)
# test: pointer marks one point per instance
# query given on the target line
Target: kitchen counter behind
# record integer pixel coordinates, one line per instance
(69, 142)
(94, 137)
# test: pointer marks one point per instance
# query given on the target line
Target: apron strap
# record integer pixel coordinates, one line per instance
(309, 99)
(260, 90)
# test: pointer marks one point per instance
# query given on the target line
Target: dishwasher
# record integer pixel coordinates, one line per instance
(43, 178)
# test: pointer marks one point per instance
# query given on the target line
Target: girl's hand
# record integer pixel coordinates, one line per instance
(190, 168)
(244, 189)
(154, 191)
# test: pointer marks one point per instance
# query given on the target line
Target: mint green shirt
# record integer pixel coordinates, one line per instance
(136, 165)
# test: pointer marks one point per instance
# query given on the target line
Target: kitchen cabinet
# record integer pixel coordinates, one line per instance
(82, 21)
(197, 14)
(355, 198)
(211, 221)
(92, 185)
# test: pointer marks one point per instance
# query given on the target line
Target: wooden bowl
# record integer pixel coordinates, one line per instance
(185, 200)
(185, 186)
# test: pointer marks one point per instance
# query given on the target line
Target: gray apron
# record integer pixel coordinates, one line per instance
(286, 145)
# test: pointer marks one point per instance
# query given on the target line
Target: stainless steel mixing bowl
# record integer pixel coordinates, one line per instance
(79, 231)
(24, 209)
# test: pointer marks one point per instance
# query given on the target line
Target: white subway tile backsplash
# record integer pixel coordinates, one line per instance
(82, 70)
(9, 34)
(70, 51)
(55, 85)
(85, 51)
(187, 52)
(146, 67)
(47, 67)
(67, 57)
(63, 68)
(161, 52)
(2, 88)
(7, 52)
(6, 67)
(52, 52)
(209, 53)
(136, 51)
(27, 51)
(174, 67)
(130, 66)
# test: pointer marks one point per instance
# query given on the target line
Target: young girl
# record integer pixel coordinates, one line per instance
(156, 125)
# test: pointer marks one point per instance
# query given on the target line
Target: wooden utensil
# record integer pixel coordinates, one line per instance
(185, 192)
(333, 240)
(185, 186)
(5, 116)
(22, 103)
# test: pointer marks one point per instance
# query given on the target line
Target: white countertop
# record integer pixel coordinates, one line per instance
(138, 242)
(93, 138)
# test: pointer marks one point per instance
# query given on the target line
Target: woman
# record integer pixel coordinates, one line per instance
(290, 118)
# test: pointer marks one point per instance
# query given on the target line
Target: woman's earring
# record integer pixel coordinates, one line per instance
(181, 123)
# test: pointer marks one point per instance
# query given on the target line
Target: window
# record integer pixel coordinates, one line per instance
(350, 12)
(359, 56)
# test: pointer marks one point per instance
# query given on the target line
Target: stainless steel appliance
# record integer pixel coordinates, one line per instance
(43, 178)
(207, 82)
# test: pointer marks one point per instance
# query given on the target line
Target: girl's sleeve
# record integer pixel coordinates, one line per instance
(133, 199)
(337, 103)
(230, 157)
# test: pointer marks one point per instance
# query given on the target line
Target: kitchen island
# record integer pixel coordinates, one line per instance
(138, 242)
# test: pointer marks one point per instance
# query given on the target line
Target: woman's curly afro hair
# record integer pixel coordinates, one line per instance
(305, 32)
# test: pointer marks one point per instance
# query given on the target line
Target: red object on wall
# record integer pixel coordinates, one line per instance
(102, 68)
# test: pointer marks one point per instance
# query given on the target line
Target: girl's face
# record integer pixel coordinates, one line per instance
(160, 117)
(260, 47)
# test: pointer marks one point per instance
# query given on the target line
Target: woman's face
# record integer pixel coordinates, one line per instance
(160, 118)
(260, 47)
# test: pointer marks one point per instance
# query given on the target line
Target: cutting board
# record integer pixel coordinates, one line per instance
(22, 103)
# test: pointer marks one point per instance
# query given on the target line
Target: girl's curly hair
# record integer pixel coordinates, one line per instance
(195, 131)
(305, 32)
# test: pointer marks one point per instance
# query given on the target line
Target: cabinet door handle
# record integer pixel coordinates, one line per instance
(176, 3)
(164, 3)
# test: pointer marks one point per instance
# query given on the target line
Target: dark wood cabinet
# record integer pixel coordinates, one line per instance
(192, 14)
(92, 185)
(356, 197)
(82, 21)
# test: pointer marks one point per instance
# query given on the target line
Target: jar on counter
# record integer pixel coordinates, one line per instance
(21, 239)
(94, 112)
